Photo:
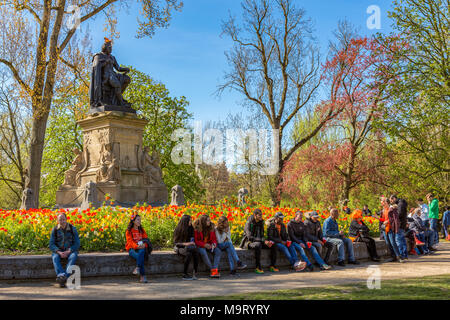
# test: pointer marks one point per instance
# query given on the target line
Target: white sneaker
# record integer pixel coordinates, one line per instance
(136, 271)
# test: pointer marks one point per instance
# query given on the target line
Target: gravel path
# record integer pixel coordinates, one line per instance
(174, 288)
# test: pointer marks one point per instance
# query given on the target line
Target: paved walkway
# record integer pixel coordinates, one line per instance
(174, 288)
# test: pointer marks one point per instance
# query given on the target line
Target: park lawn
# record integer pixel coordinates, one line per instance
(426, 288)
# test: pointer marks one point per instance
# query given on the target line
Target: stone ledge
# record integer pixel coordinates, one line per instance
(160, 262)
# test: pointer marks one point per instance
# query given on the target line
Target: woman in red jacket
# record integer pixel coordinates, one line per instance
(136, 246)
(205, 240)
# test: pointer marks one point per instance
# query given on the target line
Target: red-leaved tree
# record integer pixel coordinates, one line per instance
(352, 152)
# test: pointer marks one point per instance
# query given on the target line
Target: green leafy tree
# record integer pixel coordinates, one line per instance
(164, 114)
(417, 115)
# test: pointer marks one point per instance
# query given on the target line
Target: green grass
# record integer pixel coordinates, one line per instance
(426, 288)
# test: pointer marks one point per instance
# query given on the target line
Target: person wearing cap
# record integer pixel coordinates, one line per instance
(333, 235)
(254, 239)
(297, 233)
(278, 234)
(315, 236)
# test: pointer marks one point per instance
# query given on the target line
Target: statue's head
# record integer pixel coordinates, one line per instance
(107, 46)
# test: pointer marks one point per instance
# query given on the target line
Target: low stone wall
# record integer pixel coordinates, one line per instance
(160, 262)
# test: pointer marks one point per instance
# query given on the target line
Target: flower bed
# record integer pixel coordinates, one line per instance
(103, 229)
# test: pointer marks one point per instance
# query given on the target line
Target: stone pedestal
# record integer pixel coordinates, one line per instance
(114, 158)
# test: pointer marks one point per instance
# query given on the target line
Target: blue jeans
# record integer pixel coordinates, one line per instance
(231, 252)
(71, 259)
(434, 229)
(422, 249)
(316, 255)
(300, 250)
(139, 256)
(290, 253)
(217, 254)
(340, 243)
(390, 241)
(401, 243)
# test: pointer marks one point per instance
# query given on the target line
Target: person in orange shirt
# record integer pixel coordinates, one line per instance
(137, 243)
(389, 236)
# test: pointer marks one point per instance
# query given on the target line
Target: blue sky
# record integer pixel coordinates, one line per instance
(189, 59)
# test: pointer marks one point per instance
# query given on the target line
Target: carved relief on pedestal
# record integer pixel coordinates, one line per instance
(149, 165)
(93, 140)
(72, 177)
(109, 170)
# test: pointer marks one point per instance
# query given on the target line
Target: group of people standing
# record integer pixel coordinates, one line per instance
(200, 238)
(419, 226)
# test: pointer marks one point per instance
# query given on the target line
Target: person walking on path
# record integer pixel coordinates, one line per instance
(223, 236)
(297, 233)
(183, 237)
(136, 245)
(277, 233)
(433, 215)
(64, 244)
(333, 235)
(359, 232)
(253, 239)
(205, 240)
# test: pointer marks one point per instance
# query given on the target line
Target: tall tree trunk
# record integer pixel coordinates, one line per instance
(36, 154)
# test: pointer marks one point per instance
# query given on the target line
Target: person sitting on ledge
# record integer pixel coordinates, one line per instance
(278, 234)
(64, 244)
(183, 237)
(205, 240)
(254, 239)
(297, 233)
(333, 235)
(314, 235)
(223, 236)
(359, 232)
(137, 244)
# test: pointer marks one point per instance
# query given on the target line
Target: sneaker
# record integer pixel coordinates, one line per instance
(354, 262)
(259, 271)
(187, 277)
(193, 276)
(214, 273)
(136, 271)
(341, 263)
(300, 265)
(401, 260)
(233, 272)
(419, 243)
(61, 279)
(376, 259)
(325, 267)
(241, 265)
(273, 269)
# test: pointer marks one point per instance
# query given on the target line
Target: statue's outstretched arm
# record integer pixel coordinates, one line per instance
(119, 68)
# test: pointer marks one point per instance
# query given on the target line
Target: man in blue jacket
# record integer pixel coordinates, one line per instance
(332, 234)
(64, 244)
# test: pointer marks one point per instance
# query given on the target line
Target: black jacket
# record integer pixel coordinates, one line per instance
(402, 212)
(296, 231)
(273, 235)
(356, 229)
(253, 231)
(313, 230)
